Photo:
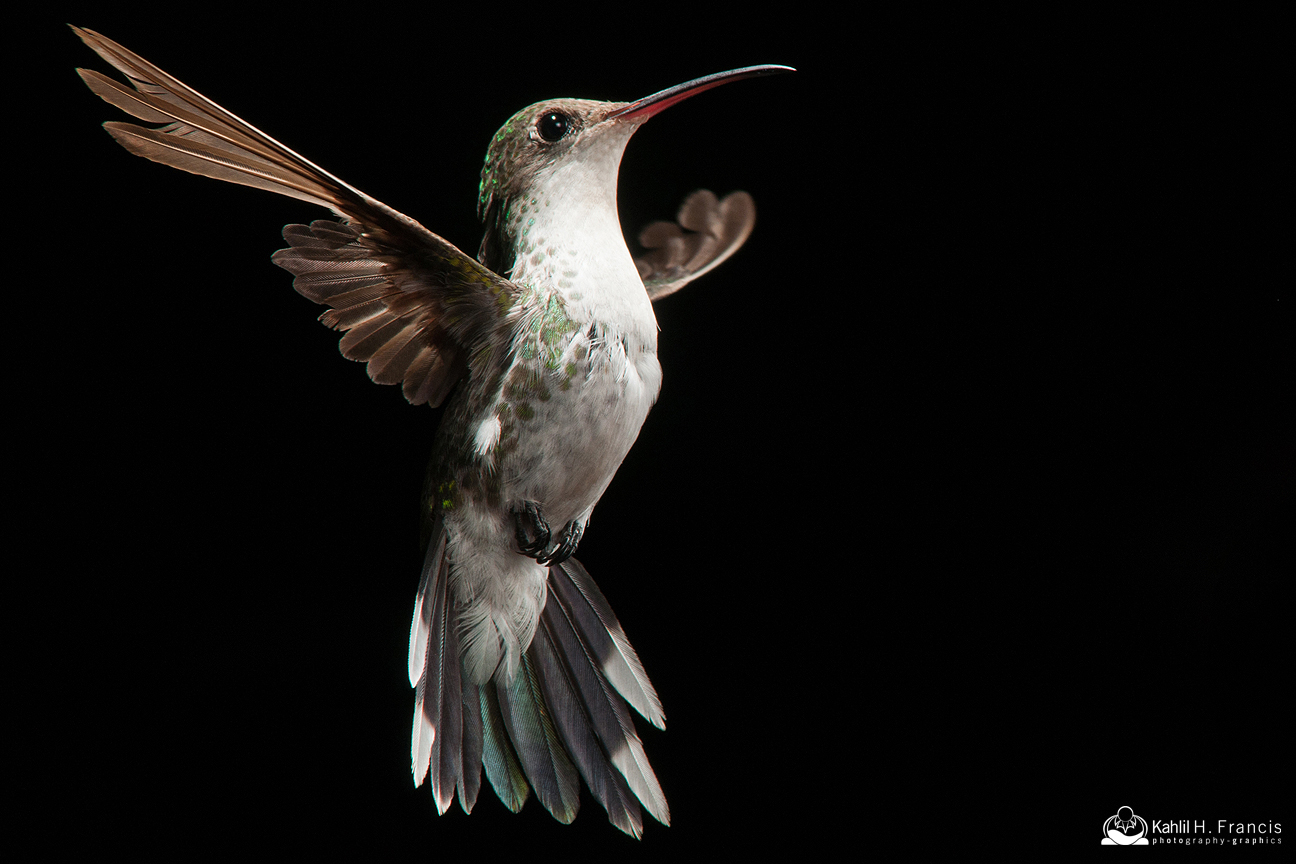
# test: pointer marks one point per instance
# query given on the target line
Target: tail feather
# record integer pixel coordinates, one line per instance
(502, 768)
(562, 717)
(444, 687)
(441, 725)
(471, 751)
(584, 746)
(598, 707)
(421, 627)
(592, 617)
(536, 742)
(420, 632)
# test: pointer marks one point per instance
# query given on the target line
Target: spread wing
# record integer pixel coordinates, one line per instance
(706, 232)
(415, 307)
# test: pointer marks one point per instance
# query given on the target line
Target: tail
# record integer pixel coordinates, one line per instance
(562, 717)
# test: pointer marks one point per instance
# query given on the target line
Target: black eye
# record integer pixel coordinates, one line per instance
(553, 126)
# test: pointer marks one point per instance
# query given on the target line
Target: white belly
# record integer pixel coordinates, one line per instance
(573, 442)
(555, 438)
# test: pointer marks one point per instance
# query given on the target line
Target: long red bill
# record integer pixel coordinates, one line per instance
(659, 102)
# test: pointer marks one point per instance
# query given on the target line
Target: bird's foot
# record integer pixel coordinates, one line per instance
(532, 530)
(534, 536)
(565, 547)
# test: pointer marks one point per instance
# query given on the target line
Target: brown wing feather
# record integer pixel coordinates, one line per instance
(414, 306)
(705, 233)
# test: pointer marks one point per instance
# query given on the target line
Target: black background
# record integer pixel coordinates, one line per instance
(956, 521)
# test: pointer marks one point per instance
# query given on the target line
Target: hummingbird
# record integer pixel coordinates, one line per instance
(544, 350)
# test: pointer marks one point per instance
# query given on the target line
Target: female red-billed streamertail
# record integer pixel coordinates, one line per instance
(518, 663)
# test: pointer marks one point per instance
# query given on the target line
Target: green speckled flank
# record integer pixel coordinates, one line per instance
(549, 330)
(539, 352)
(526, 383)
(446, 495)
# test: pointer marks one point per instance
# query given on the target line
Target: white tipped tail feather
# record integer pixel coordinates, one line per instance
(561, 716)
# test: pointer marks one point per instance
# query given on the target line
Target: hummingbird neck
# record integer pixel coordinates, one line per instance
(562, 236)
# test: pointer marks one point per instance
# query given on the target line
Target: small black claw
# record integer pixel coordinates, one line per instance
(562, 551)
(532, 530)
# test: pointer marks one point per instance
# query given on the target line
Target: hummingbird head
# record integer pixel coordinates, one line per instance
(537, 138)
(567, 149)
